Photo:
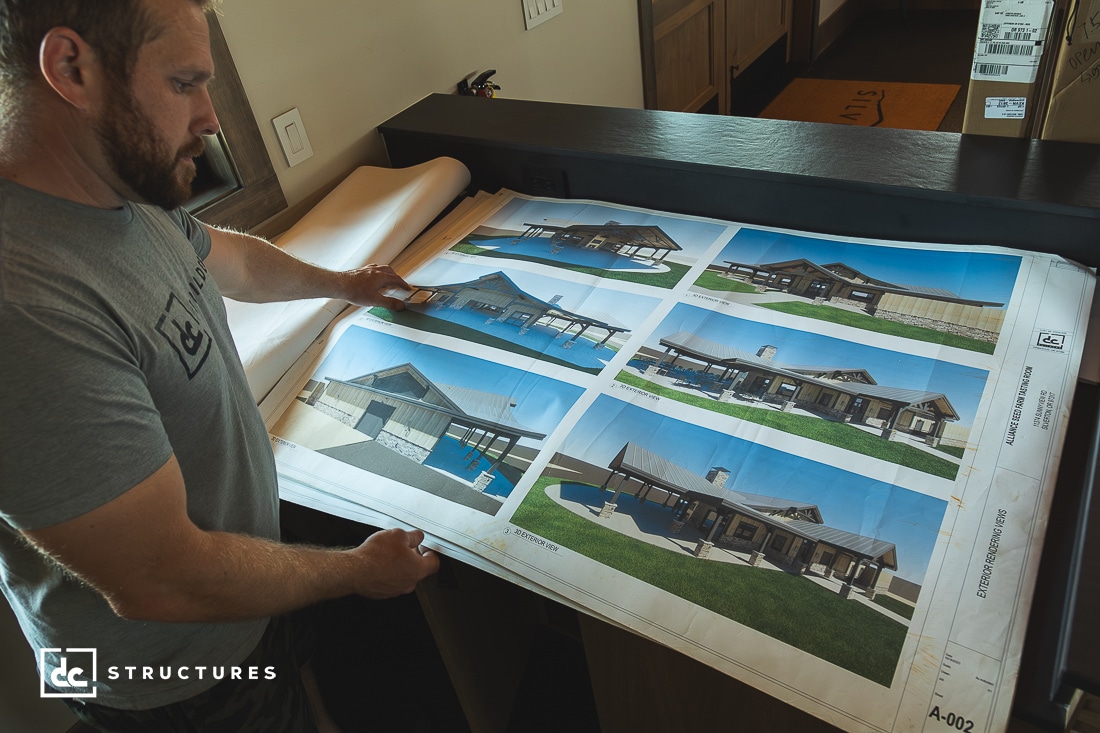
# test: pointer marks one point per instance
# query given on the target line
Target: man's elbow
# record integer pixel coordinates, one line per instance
(165, 606)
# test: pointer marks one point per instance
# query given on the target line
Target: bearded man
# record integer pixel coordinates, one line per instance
(138, 498)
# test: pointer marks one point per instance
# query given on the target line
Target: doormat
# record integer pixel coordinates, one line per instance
(899, 105)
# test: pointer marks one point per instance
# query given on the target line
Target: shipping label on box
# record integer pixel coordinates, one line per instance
(1005, 108)
(1011, 34)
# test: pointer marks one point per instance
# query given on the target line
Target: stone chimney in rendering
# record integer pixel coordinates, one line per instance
(767, 352)
(718, 476)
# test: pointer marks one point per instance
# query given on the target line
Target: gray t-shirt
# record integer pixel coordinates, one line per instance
(115, 354)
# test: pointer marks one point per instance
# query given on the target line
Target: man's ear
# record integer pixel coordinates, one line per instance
(68, 65)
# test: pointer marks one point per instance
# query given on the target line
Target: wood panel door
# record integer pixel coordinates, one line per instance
(751, 29)
(684, 55)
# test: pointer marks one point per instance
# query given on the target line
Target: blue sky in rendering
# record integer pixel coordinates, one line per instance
(628, 309)
(962, 385)
(541, 249)
(976, 276)
(541, 402)
(848, 501)
(694, 236)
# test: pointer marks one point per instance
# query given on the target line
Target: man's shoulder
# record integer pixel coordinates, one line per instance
(28, 216)
(181, 222)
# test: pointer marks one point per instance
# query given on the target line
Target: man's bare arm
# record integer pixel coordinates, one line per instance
(252, 269)
(145, 556)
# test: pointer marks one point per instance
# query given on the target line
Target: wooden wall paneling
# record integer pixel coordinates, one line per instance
(751, 29)
(683, 54)
(259, 196)
(800, 42)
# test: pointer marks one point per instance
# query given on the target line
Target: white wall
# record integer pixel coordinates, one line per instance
(348, 65)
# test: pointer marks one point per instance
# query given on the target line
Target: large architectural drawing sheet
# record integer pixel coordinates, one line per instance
(820, 465)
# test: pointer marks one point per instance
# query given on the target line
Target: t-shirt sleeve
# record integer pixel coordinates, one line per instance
(195, 231)
(88, 430)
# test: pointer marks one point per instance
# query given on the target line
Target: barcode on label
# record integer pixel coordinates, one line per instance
(1015, 36)
(990, 31)
(991, 69)
(1008, 49)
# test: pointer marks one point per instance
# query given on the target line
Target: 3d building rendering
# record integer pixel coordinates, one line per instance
(846, 394)
(643, 242)
(785, 532)
(838, 283)
(406, 412)
(501, 300)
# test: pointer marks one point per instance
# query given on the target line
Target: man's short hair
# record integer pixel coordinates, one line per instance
(116, 29)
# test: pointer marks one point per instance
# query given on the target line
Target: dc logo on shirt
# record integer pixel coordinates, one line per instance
(185, 334)
(72, 677)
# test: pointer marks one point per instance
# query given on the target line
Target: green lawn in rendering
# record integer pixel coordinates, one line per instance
(893, 604)
(952, 450)
(711, 280)
(878, 325)
(669, 279)
(814, 428)
(787, 607)
(421, 322)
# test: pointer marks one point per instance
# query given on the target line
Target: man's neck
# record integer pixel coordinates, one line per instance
(42, 155)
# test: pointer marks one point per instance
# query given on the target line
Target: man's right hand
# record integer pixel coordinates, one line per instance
(395, 563)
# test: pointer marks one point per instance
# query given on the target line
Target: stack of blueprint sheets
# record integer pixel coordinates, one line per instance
(821, 465)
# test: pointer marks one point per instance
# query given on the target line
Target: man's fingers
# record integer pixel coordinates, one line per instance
(379, 285)
(430, 561)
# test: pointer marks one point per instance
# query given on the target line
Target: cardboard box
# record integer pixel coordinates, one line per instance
(999, 108)
(1074, 110)
(1002, 98)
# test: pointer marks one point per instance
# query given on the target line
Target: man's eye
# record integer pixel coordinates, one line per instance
(181, 85)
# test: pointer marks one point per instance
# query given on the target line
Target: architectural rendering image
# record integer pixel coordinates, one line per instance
(786, 531)
(457, 426)
(956, 298)
(497, 298)
(584, 237)
(493, 300)
(630, 241)
(826, 560)
(850, 395)
(894, 407)
(569, 323)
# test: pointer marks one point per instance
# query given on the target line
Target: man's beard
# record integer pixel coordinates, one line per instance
(139, 157)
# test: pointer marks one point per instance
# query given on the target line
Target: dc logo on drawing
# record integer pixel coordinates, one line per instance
(1053, 340)
(71, 676)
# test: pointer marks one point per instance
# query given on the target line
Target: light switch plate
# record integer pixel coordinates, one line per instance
(292, 136)
(538, 11)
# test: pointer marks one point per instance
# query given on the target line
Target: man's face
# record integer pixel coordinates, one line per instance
(151, 128)
(157, 171)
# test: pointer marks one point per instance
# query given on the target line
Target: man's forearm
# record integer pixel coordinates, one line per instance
(143, 553)
(254, 270)
(234, 577)
(228, 577)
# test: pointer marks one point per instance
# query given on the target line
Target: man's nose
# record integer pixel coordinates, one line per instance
(206, 119)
